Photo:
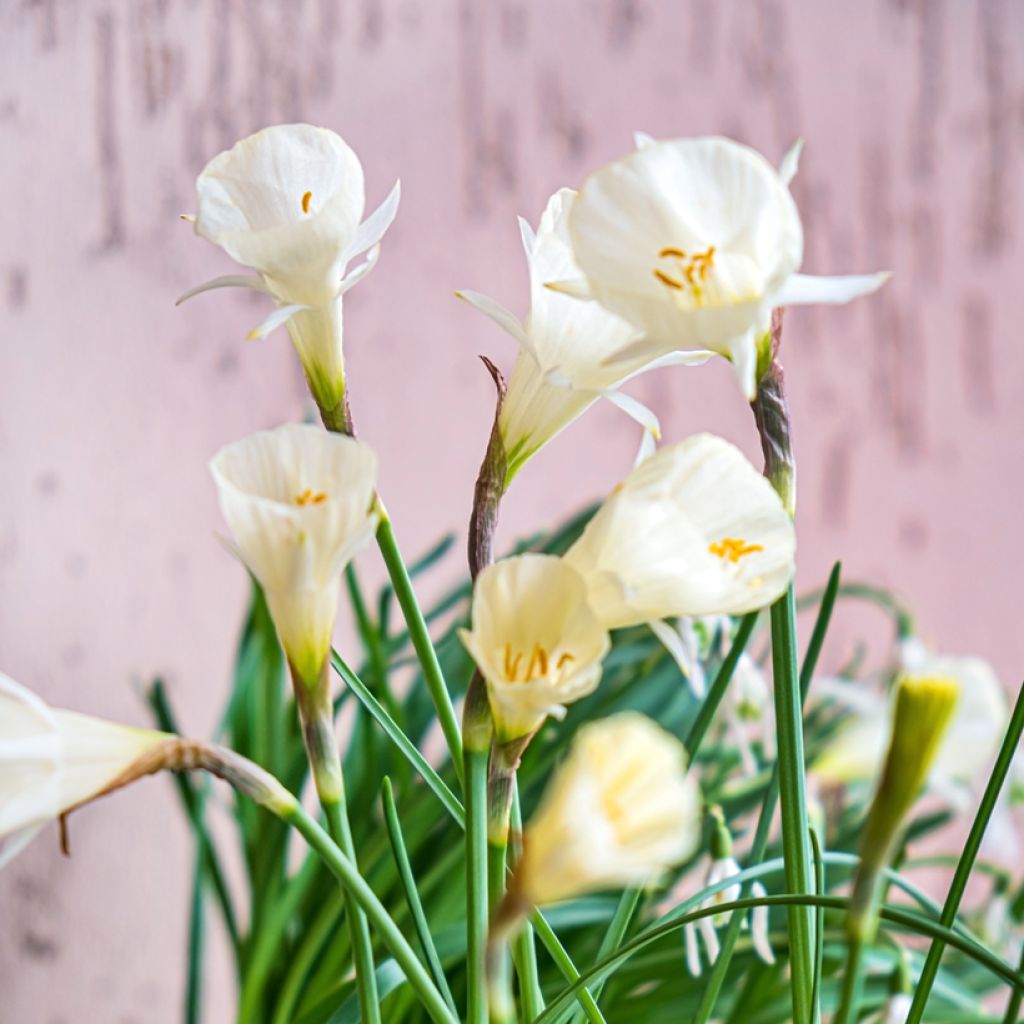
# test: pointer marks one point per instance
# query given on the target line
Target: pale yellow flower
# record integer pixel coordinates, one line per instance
(619, 812)
(695, 241)
(300, 503)
(535, 639)
(287, 202)
(693, 530)
(52, 761)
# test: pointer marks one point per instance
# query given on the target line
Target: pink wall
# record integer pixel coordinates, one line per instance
(908, 408)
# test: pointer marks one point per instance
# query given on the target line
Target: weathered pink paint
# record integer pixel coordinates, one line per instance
(908, 407)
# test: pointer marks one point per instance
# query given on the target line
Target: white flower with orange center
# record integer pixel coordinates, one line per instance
(695, 241)
(618, 812)
(535, 639)
(300, 503)
(694, 530)
(287, 202)
(52, 761)
(562, 369)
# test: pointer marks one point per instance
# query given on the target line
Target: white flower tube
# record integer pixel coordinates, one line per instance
(287, 202)
(694, 530)
(619, 811)
(695, 241)
(535, 640)
(300, 504)
(52, 761)
(564, 344)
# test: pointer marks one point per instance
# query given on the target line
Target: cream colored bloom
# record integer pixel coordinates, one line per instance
(300, 504)
(564, 344)
(287, 202)
(965, 755)
(535, 640)
(693, 530)
(695, 241)
(51, 761)
(619, 811)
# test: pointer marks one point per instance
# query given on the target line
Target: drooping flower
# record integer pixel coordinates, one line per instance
(693, 530)
(53, 761)
(561, 368)
(535, 640)
(300, 504)
(287, 202)
(619, 811)
(695, 241)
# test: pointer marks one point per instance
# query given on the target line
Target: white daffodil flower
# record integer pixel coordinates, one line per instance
(619, 812)
(966, 753)
(719, 870)
(300, 504)
(695, 241)
(694, 530)
(52, 761)
(535, 640)
(288, 202)
(561, 369)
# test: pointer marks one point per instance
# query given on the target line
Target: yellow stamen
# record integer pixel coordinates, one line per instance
(733, 548)
(564, 660)
(308, 497)
(670, 250)
(306, 201)
(665, 279)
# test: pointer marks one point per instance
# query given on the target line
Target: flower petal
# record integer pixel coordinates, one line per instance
(642, 140)
(353, 277)
(529, 236)
(276, 319)
(790, 162)
(257, 284)
(371, 231)
(500, 315)
(673, 643)
(805, 289)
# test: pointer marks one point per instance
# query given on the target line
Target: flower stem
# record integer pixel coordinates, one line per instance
(524, 947)
(475, 762)
(793, 799)
(421, 641)
(967, 858)
(853, 983)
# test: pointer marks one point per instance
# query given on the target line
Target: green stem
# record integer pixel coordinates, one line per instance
(793, 800)
(524, 947)
(564, 963)
(764, 822)
(475, 763)
(903, 920)
(422, 644)
(967, 858)
(196, 930)
(853, 983)
(1013, 1006)
(359, 930)
(347, 873)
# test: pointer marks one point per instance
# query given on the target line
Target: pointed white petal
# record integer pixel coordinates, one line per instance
(353, 277)
(673, 643)
(635, 410)
(759, 927)
(275, 320)
(790, 162)
(642, 140)
(707, 930)
(804, 289)
(529, 236)
(227, 281)
(648, 446)
(577, 288)
(500, 315)
(696, 357)
(744, 360)
(693, 964)
(371, 231)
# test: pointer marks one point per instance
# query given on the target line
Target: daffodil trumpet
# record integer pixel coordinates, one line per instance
(287, 202)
